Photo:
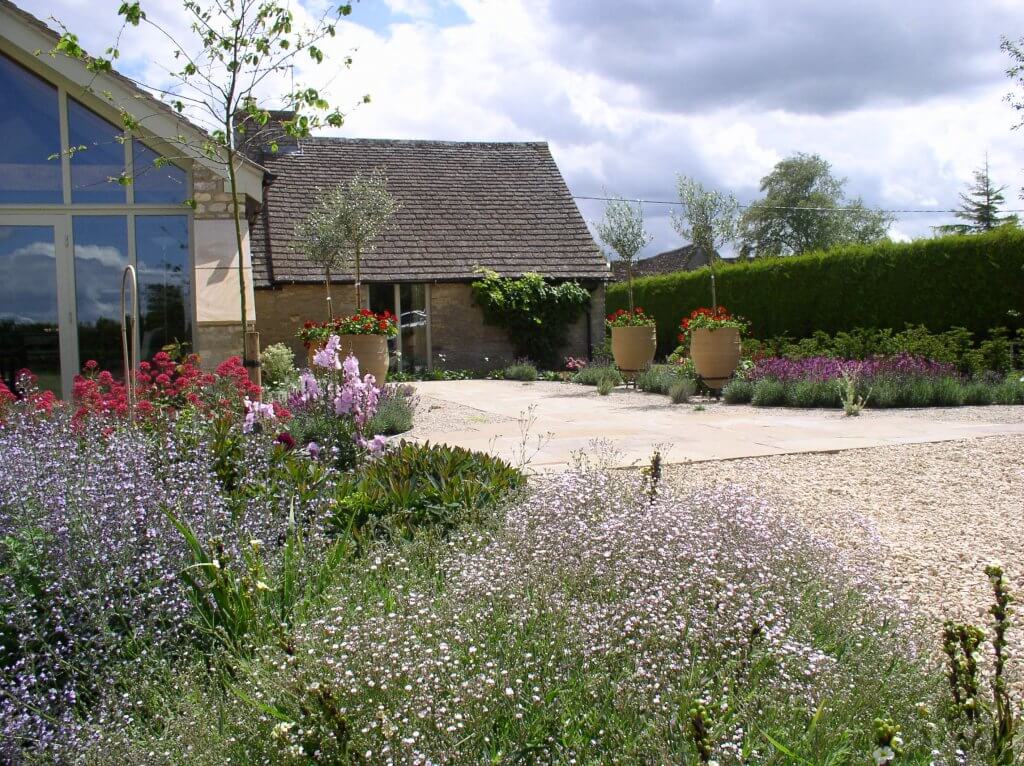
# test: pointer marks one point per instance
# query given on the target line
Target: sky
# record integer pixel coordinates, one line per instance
(904, 99)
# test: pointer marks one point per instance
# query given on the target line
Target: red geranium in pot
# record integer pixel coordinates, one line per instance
(714, 339)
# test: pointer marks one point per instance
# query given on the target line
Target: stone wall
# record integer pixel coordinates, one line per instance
(281, 311)
(216, 341)
(218, 302)
(459, 337)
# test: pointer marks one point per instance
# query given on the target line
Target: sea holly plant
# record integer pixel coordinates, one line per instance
(230, 67)
(343, 224)
(622, 230)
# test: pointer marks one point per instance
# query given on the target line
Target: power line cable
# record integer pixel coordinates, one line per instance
(795, 207)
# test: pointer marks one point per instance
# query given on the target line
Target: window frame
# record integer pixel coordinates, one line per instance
(61, 213)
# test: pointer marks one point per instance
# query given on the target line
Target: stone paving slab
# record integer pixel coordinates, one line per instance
(567, 418)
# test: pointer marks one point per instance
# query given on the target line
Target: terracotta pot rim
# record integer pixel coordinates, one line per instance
(716, 329)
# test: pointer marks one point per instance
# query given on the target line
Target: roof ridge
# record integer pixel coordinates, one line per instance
(420, 141)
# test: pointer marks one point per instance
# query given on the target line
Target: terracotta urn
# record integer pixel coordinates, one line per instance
(311, 350)
(371, 351)
(633, 347)
(715, 354)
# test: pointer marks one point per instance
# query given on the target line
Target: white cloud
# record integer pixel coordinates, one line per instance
(625, 114)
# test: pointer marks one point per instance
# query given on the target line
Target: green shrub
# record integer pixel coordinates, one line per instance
(978, 393)
(524, 371)
(278, 365)
(334, 435)
(593, 374)
(1010, 391)
(394, 412)
(808, 394)
(769, 392)
(945, 392)
(681, 390)
(606, 385)
(885, 393)
(997, 352)
(417, 486)
(657, 379)
(960, 281)
(738, 392)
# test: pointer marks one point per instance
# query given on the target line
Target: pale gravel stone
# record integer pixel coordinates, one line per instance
(436, 416)
(929, 516)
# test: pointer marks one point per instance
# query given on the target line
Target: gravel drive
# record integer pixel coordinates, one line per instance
(434, 416)
(930, 516)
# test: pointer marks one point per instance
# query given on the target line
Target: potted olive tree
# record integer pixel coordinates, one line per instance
(344, 224)
(634, 337)
(708, 219)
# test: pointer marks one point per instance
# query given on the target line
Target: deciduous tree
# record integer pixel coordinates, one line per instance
(707, 218)
(804, 209)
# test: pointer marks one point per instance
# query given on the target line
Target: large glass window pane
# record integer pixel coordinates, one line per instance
(415, 353)
(155, 180)
(28, 305)
(97, 161)
(30, 131)
(165, 286)
(101, 253)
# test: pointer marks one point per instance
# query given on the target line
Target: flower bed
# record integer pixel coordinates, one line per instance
(208, 587)
(900, 380)
(589, 625)
(197, 534)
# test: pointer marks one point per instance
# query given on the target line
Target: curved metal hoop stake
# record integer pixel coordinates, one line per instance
(129, 371)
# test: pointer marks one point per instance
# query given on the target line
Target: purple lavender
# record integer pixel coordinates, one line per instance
(826, 368)
(89, 563)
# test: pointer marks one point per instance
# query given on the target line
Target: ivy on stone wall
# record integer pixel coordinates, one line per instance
(535, 312)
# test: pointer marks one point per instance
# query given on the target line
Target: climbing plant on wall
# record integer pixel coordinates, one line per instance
(535, 312)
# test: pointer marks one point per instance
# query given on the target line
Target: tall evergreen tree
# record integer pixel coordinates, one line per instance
(981, 203)
(980, 207)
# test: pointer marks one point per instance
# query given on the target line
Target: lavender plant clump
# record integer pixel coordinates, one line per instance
(89, 563)
(827, 368)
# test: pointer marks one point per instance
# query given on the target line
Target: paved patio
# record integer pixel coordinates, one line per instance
(569, 418)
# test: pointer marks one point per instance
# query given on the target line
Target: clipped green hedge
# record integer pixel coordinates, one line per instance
(974, 281)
